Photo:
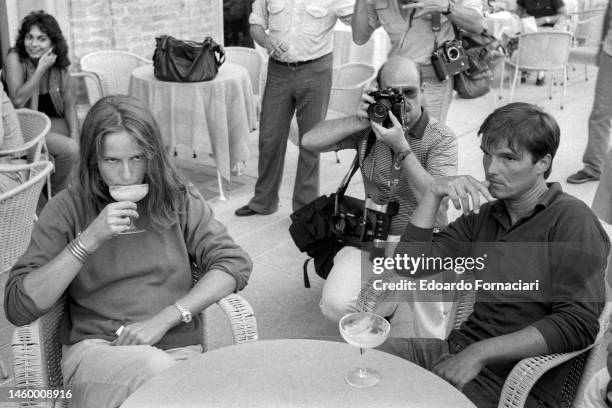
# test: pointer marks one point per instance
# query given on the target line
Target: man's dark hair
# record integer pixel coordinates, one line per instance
(522, 126)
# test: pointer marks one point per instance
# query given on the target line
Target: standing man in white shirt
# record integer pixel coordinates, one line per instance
(299, 40)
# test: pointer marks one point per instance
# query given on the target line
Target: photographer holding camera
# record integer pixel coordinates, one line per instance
(420, 29)
(406, 137)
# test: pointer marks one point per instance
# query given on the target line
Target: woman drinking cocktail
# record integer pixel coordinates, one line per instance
(132, 310)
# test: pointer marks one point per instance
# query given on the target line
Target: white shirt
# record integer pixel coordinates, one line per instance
(306, 26)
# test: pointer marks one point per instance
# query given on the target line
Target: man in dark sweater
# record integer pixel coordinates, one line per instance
(543, 254)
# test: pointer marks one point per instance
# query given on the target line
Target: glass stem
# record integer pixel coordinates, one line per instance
(362, 370)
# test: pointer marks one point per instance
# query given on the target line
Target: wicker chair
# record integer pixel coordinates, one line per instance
(348, 82)
(34, 127)
(18, 211)
(529, 370)
(37, 353)
(112, 69)
(540, 51)
(252, 60)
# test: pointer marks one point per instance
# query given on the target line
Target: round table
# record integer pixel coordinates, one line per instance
(293, 373)
(213, 115)
(373, 52)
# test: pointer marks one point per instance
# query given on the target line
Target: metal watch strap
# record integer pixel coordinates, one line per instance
(185, 314)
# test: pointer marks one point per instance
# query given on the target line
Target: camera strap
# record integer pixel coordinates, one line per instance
(349, 175)
(435, 27)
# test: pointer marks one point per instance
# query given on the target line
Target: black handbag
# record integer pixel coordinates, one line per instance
(314, 228)
(177, 60)
(483, 52)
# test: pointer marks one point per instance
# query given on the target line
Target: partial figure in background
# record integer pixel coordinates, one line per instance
(36, 76)
(299, 40)
(132, 306)
(411, 25)
(600, 120)
(598, 392)
(236, 23)
(10, 137)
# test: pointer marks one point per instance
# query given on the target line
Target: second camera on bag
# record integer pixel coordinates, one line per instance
(449, 60)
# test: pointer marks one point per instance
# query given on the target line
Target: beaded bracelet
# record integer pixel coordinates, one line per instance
(78, 249)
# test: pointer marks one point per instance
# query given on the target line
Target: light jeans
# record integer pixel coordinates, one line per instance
(65, 152)
(100, 375)
(438, 95)
(600, 118)
(595, 391)
(343, 284)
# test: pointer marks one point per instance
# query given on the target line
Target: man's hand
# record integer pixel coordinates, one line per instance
(393, 136)
(148, 331)
(427, 6)
(459, 369)
(460, 190)
(364, 102)
(276, 48)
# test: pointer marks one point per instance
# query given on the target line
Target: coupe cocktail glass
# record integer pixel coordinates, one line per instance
(364, 330)
(134, 193)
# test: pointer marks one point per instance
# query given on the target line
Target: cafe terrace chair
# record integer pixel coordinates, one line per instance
(540, 51)
(528, 371)
(112, 69)
(253, 62)
(34, 127)
(587, 29)
(18, 210)
(37, 353)
(348, 82)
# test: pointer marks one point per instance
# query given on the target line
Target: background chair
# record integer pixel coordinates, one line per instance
(18, 210)
(112, 69)
(540, 51)
(37, 353)
(587, 29)
(348, 82)
(34, 127)
(252, 60)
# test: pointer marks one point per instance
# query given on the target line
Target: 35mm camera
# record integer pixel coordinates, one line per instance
(386, 100)
(449, 60)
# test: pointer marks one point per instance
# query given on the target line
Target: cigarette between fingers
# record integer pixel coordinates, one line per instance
(119, 331)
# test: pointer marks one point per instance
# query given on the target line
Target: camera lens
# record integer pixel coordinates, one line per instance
(452, 53)
(378, 112)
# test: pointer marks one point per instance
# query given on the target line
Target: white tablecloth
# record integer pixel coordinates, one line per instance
(293, 373)
(503, 22)
(214, 115)
(374, 52)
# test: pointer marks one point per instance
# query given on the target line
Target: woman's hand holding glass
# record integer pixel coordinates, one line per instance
(112, 220)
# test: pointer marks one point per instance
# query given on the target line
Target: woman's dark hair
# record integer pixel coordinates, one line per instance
(121, 113)
(521, 126)
(48, 25)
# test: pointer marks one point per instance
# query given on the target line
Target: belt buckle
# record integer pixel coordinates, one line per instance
(293, 64)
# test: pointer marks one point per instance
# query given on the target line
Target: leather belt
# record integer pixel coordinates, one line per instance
(295, 64)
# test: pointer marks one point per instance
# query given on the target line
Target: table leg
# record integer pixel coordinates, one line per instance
(220, 183)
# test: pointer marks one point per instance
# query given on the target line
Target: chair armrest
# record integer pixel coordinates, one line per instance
(526, 373)
(241, 317)
(96, 78)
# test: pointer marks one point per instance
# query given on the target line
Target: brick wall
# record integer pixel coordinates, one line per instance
(133, 24)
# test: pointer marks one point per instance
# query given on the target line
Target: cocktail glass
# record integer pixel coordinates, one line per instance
(364, 330)
(134, 193)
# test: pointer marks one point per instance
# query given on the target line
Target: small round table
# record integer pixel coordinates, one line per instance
(293, 373)
(216, 114)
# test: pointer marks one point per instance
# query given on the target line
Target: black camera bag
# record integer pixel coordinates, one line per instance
(311, 226)
(483, 52)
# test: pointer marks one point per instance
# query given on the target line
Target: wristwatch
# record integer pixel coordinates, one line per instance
(186, 314)
(399, 157)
